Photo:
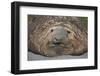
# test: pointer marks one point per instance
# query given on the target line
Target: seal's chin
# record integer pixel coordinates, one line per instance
(56, 49)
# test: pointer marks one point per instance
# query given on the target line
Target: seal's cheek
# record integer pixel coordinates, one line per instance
(78, 46)
(70, 44)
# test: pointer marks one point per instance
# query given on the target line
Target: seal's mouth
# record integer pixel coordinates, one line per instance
(60, 44)
(57, 43)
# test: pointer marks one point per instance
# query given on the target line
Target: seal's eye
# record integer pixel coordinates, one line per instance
(51, 30)
(68, 31)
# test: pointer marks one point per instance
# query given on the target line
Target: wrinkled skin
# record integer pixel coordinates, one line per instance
(54, 36)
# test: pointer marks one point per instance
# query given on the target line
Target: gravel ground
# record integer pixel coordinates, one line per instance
(32, 56)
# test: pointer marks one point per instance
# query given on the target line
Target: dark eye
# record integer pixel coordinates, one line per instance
(68, 32)
(51, 30)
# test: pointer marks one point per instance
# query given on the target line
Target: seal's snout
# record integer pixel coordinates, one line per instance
(58, 34)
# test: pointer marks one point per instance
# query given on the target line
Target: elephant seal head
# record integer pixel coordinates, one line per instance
(59, 38)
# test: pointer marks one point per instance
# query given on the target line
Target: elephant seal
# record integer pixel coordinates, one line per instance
(56, 35)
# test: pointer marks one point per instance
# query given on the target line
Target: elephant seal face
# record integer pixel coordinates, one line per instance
(59, 36)
(60, 40)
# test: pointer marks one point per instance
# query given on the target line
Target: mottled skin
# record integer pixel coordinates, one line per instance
(56, 35)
